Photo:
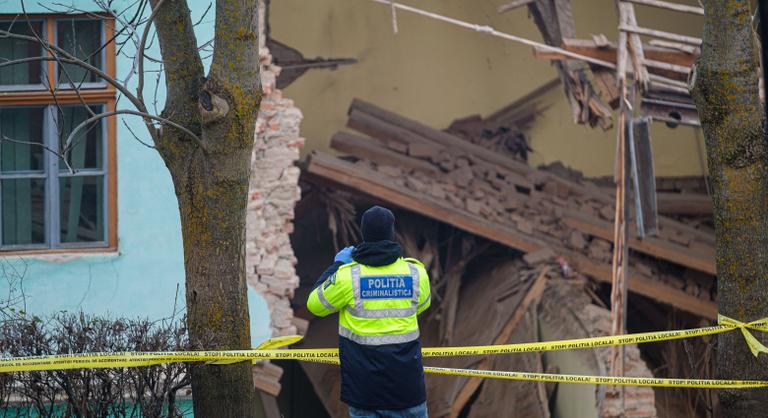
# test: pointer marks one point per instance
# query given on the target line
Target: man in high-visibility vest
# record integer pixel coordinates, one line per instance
(378, 295)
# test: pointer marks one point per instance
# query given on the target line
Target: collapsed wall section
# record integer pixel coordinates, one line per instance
(272, 195)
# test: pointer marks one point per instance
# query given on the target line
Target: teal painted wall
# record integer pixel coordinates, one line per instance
(145, 276)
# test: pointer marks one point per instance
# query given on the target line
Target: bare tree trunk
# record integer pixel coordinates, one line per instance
(210, 177)
(725, 89)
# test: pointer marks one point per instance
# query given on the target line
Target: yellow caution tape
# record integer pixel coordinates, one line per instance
(590, 380)
(602, 380)
(755, 346)
(268, 350)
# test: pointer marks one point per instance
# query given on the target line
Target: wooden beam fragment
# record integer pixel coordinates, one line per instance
(685, 204)
(667, 66)
(635, 45)
(691, 40)
(661, 62)
(369, 149)
(688, 49)
(677, 7)
(608, 53)
(470, 386)
(380, 130)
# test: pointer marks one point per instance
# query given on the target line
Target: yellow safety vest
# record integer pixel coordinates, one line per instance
(376, 305)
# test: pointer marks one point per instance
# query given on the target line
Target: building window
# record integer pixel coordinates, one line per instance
(26, 75)
(61, 201)
(82, 38)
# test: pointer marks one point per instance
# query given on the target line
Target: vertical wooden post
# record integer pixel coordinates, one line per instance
(620, 249)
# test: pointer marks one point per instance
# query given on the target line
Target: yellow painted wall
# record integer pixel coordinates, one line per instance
(435, 72)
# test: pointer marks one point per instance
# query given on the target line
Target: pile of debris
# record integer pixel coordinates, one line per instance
(489, 194)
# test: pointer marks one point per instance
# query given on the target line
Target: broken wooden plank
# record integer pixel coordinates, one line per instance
(667, 66)
(470, 386)
(675, 46)
(677, 7)
(381, 130)
(331, 169)
(635, 46)
(690, 40)
(654, 246)
(589, 48)
(370, 150)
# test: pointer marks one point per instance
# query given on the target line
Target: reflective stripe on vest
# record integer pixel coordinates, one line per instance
(324, 301)
(426, 301)
(379, 339)
(360, 312)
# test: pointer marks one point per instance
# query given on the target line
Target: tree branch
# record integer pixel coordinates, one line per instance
(41, 145)
(145, 115)
(178, 47)
(142, 46)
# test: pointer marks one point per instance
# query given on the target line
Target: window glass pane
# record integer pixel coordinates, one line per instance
(86, 151)
(20, 130)
(13, 49)
(23, 211)
(82, 209)
(81, 38)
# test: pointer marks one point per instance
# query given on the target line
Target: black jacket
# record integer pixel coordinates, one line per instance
(389, 376)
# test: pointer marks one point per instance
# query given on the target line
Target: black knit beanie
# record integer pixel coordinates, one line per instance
(378, 224)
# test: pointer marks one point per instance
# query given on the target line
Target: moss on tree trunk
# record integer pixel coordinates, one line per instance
(725, 90)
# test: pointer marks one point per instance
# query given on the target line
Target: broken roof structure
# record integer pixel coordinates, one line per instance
(661, 65)
(450, 179)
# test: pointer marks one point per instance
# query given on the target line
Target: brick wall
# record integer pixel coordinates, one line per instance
(273, 194)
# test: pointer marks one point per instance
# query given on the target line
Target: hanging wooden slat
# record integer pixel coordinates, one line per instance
(646, 206)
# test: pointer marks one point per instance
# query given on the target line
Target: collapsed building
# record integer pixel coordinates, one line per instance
(515, 253)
